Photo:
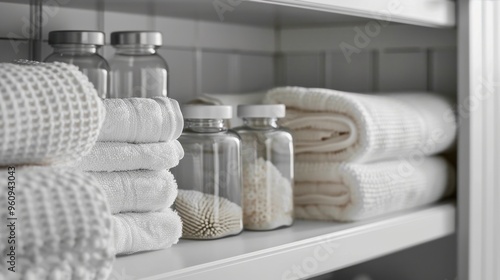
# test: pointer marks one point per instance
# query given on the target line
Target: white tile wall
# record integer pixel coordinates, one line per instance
(306, 70)
(182, 66)
(215, 72)
(63, 18)
(256, 72)
(356, 75)
(444, 71)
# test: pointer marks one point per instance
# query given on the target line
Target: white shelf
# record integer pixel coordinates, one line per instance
(313, 247)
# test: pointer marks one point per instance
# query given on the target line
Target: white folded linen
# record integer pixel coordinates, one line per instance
(135, 232)
(63, 227)
(353, 191)
(49, 114)
(330, 125)
(137, 191)
(118, 156)
(141, 120)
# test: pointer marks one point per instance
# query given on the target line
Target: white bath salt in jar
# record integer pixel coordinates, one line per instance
(209, 176)
(267, 161)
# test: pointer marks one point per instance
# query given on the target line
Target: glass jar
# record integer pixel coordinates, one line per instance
(209, 175)
(80, 48)
(137, 70)
(267, 161)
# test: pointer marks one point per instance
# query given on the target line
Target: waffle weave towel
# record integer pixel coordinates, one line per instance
(49, 114)
(117, 156)
(137, 191)
(134, 232)
(63, 227)
(353, 191)
(141, 120)
(330, 125)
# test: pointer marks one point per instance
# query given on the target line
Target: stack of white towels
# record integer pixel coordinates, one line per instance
(360, 155)
(136, 148)
(56, 223)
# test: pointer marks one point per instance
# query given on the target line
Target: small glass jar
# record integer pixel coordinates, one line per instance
(80, 48)
(209, 175)
(137, 70)
(267, 161)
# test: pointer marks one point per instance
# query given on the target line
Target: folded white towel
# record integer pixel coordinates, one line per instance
(137, 191)
(330, 125)
(49, 114)
(351, 191)
(135, 232)
(117, 156)
(63, 227)
(141, 120)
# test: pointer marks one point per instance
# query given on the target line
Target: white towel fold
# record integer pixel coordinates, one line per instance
(49, 114)
(351, 191)
(330, 125)
(141, 120)
(137, 191)
(117, 156)
(134, 232)
(63, 227)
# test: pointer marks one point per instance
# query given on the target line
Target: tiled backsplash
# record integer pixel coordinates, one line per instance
(226, 58)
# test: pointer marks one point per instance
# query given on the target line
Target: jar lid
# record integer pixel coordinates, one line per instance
(82, 37)
(136, 38)
(262, 111)
(207, 112)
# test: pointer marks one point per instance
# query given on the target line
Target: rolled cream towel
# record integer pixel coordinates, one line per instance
(63, 226)
(118, 156)
(352, 191)
(136, 232)
(49, 114)
(330, 125)
(137, 191)
(141, 120)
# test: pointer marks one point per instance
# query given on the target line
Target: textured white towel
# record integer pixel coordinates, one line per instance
(137, 191)
(331, 125)
(63, 227)
(117, 156)
(141, 120)
(49, 114)
(352, 191)
(135, 232)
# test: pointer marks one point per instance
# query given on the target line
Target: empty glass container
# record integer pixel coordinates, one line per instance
(209, 175)
(137, 70)
(80, 48)
(267, 161)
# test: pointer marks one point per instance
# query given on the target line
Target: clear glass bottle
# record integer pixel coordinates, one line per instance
(209, 175)
(137, 70)
(80, 48)
(267, 161)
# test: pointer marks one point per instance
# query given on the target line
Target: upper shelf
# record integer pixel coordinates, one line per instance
(285, 13)
(306, 249)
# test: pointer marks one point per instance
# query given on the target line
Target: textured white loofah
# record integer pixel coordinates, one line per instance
(49, 113)
(63, 226)
(205, 216)
(267, 197)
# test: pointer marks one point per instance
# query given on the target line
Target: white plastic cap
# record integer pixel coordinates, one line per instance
(207, 112)
(262, 111)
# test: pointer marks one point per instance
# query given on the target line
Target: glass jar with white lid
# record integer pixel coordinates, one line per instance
(209, 175)
(268, 171)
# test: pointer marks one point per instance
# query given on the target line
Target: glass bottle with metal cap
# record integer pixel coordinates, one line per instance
(267, 162)
(209, 175)
(80, 48)
(137, 70)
